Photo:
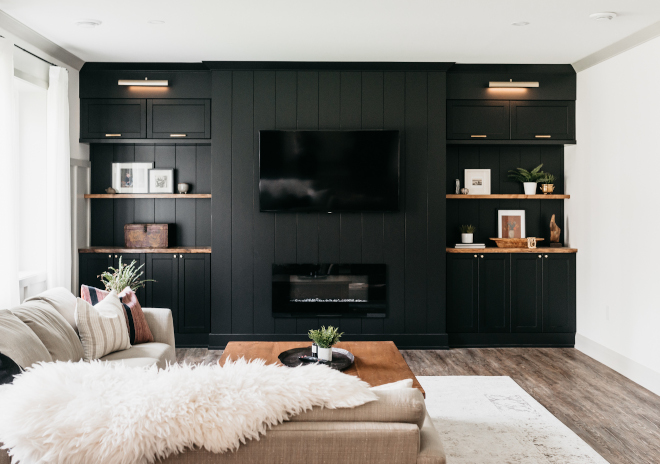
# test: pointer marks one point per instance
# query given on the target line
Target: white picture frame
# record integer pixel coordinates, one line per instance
(506, 219)
(131, 177)
(477, 181)
(161, 180)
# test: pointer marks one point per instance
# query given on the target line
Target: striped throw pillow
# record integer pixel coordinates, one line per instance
(102, 327)
(136, 323)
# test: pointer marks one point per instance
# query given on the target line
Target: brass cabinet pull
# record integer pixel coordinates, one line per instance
(113, 135)
(475, 256)
(178, 135)
(478, 136)
(543, 136)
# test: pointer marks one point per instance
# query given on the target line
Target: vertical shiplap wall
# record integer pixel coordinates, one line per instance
(247, 242)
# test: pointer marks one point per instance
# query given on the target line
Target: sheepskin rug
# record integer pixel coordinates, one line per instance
(102, 413)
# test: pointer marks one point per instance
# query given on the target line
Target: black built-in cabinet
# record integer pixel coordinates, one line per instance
(478, 119)
(182, 284)
(176, 119)
(506, 293)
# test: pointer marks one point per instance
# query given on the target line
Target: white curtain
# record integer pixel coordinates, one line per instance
(58, 183)
(9, 173)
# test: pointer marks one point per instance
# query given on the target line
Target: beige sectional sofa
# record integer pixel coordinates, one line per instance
(394, 430)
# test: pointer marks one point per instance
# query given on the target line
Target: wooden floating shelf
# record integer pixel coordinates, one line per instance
(507, 196)
(115, 196)
(539, 250)
(111, 249)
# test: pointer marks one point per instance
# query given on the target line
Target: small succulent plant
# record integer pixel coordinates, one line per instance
(325, 338)
(467, 229)
(523, 175)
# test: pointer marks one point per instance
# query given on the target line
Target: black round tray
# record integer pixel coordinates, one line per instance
(341, 359)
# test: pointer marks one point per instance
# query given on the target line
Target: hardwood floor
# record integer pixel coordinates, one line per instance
(614, 415)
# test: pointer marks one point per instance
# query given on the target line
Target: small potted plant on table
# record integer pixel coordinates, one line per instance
(529, 179)
(325, 339)
(547, 184)
(467, 233)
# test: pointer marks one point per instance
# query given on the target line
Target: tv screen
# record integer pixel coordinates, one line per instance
(329, 171)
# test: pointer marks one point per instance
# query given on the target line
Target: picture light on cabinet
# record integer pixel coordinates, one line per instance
(145, 83)
(511, 85)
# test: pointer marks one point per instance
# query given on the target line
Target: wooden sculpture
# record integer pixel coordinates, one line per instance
(555, 231)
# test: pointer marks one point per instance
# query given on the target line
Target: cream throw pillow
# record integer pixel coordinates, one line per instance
(102, 327)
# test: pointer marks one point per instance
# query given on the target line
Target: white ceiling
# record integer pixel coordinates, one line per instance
(466, 31)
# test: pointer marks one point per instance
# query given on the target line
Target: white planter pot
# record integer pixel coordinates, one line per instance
(467, 238)
(325, 354)
(530, 188)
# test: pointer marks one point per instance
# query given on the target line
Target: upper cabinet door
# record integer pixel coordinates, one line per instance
(543, 120)
(113, 118)
(478, 120)
(179, 118)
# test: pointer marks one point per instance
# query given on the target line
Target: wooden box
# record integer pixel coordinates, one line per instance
(149, 235)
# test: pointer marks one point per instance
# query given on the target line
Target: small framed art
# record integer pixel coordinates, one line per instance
(161, 180)
(477, 181)
(511, 223)
(131, 177)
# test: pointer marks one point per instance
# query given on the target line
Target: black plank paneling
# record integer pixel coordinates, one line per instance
(144, 208)
(102, 211)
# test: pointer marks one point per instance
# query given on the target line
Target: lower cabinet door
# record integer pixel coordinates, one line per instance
(91, 265)
(526, 292)
(194, 293)
(164, 292)
(462, 293)
(127, 259)
(559, 292)
(494, 293)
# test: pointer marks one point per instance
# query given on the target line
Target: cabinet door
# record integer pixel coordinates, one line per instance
(91, 265)
(179, 118)
(113, 118)
(559, 292)
(543, 120)
(128, 258)
(478, 120)
(462, 293)
(164, 292)
(194, 293)
(526, 292)
(494, 291)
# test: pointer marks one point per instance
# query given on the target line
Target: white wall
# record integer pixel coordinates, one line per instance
(613, 216)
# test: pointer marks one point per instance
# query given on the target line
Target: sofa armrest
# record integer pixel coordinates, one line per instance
(161, 325)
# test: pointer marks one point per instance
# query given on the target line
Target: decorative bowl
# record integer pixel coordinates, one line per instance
(512, 242)
(183, 187)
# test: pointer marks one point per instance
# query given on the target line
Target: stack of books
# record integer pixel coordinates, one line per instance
(470, 245)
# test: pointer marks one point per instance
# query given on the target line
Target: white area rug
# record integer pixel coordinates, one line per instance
(492, 420)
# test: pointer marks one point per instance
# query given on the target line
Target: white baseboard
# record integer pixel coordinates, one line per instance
(642, 375)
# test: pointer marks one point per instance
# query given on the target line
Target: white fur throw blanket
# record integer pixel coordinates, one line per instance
(101, 413)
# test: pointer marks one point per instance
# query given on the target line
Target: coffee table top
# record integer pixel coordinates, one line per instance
(376, 363)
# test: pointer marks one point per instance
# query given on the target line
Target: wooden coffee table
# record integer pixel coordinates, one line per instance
(376, 363)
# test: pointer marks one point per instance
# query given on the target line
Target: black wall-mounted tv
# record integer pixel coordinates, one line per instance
(329, 171)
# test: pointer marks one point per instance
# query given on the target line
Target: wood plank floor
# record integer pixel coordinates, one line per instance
(614, 415)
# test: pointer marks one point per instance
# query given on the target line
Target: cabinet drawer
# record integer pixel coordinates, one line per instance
(113, 118)
(179, 118)
(478, 120)
(542, 120)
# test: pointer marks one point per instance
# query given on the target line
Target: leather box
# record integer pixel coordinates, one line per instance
(149, 235)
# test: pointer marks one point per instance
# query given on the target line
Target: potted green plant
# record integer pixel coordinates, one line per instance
(467, 233)
(529, 179)
(547, 184)
(325, 339)
(126, 275)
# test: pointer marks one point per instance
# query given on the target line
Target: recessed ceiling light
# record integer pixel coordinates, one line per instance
(603, 16)
(520, 23)
(88, 23)
(156, 22)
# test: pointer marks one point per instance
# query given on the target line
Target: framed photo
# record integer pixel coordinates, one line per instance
(511, 223)
(477, 181)
(131, 177)
(161, 180)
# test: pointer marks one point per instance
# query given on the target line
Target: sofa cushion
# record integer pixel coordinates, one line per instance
(52, 329)
(102, 327)
(62, 300)
(19, 343)
(136, 323)
(160, 353)
(404, 405)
